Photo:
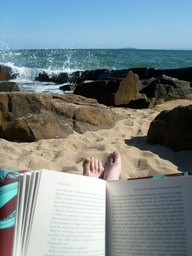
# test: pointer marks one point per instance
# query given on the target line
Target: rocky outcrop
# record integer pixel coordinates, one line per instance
(114, 92)
(9, 87)
(74, 77)
(28, 117)
(104, 74)
(172, 129)
(147, 73)
(108, 86)
(118, 88)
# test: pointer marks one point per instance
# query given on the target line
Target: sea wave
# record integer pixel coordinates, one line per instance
(29, 74)
(29, 63)
(26, 78)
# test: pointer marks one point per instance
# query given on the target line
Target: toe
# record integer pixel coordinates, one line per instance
(86, 161)
(86, 166)
(100, 167)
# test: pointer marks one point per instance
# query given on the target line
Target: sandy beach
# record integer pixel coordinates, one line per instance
(128, 136)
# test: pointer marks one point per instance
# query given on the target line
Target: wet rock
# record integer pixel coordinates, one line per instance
(6, 73)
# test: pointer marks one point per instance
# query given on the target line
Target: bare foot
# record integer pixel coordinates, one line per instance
(112, 167)
(92, 167)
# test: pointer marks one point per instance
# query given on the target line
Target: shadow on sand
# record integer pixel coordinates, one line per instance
(182, 159)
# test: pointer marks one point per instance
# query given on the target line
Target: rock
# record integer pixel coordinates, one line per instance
(68, 87)
(6, 73)
(179, 73)
(28, 117)
(74, 77)
(172, 129)
(140, 102)
(102, 91)
(167, 88)
(128, 89)
(81, 76)
(52, 77)
(61, 78)
(114, 74)
(115, 92)
(105, 74)
(145, 73)
(43, 77)
(9, 87)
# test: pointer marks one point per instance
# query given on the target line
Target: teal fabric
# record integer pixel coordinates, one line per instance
(7, 192)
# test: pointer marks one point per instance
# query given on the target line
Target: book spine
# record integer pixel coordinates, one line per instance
(8, 201)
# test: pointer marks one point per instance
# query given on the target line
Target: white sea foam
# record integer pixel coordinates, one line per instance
(26, 78)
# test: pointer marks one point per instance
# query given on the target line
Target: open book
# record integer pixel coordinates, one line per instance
(61, 214)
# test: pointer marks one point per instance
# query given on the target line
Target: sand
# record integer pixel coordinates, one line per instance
(139, 159)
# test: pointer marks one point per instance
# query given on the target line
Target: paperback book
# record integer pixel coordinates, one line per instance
(59, 214)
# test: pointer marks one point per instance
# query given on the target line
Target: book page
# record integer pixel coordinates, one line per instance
(149, 217)
(21, 203)
(69, 217)
(30, 194)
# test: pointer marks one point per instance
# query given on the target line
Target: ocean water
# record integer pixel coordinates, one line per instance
(28, 63)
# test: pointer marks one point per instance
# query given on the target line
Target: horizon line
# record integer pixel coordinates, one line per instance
(100, 48)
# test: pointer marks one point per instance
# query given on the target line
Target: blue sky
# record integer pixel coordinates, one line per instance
(143, 24)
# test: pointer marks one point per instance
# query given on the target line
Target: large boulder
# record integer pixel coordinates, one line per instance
(172, 128)
(28, 117)
(115, 92)
(128, 89)
(167, 88)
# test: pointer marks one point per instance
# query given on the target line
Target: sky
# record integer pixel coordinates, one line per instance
(73, 24)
